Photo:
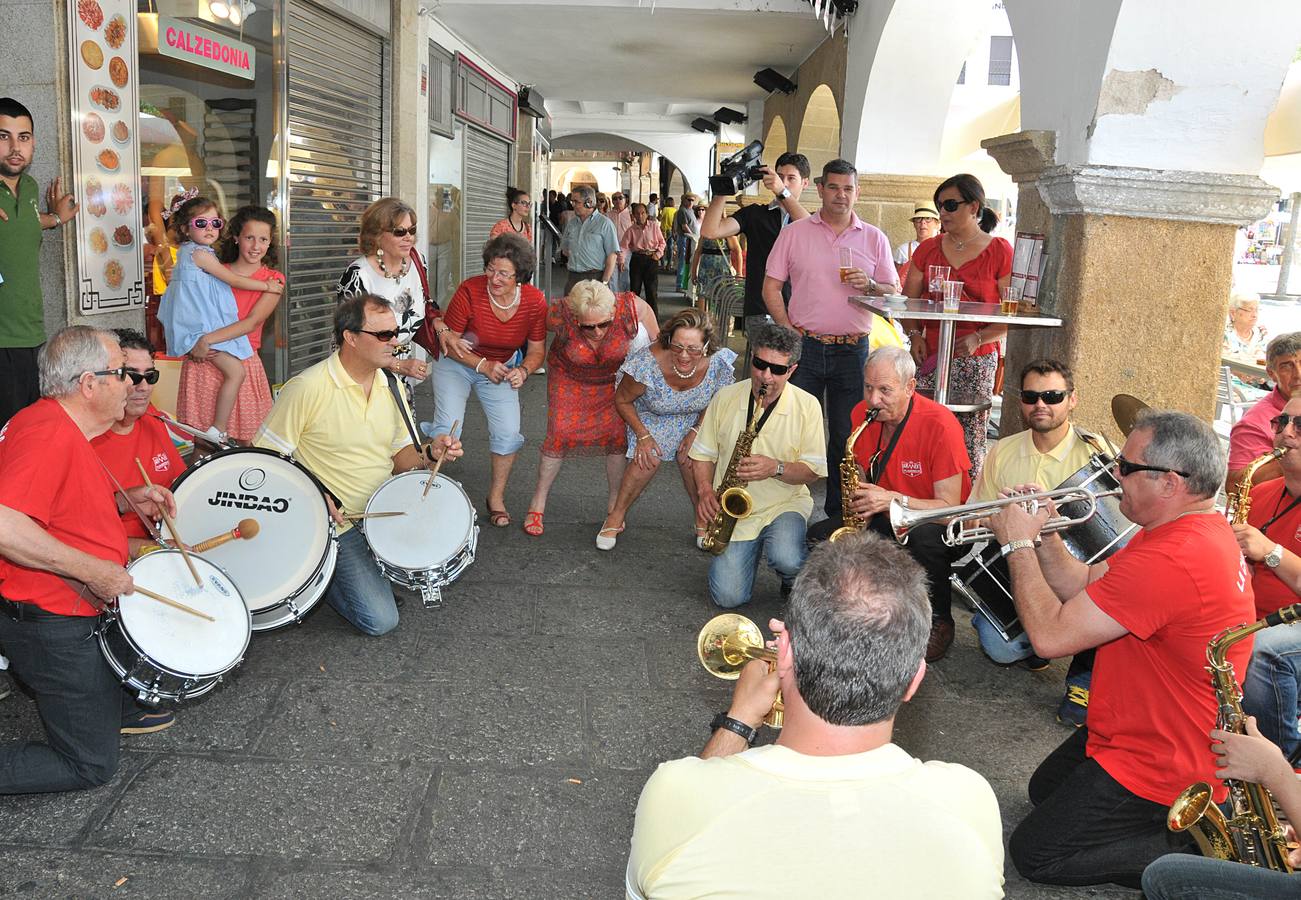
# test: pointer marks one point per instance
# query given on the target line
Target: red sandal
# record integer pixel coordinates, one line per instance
(533, 523)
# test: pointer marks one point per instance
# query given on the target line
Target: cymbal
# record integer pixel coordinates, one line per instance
(1125, 409)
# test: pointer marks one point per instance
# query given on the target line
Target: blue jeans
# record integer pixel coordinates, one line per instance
(358, 591)
(452, 385)
(834, 374)
(996, 648)
(1270, 690)
(1182, 876)
(79, 698)
(731, 575)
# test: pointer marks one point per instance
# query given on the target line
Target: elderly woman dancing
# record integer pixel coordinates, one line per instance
(502, 311)
(661, 396)
(593, 333)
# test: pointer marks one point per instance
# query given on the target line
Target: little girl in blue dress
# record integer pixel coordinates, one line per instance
(199, 300)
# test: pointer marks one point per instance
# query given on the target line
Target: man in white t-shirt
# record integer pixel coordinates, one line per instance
(833, 809)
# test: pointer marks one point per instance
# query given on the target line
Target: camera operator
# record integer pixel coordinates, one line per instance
(760, 225)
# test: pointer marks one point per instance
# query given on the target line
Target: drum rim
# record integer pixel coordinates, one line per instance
(469, 531)
(331, 530)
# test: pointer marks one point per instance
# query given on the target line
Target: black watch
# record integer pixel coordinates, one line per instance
(736, 726)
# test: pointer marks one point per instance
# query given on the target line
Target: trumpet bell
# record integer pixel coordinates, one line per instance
(727, 643)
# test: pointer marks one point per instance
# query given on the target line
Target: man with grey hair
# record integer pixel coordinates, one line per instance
(1101, 798)
(1252, 436)
(823, 797)
(912, 454)
(589, 241)
(63, 549)
(787, 455)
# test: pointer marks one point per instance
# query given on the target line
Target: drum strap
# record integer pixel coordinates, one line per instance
(402, 408)
(150, 527)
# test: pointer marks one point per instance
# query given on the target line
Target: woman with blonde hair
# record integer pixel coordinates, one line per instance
(661, 396)
(593, 332)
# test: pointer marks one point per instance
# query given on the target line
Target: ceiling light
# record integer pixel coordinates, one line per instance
(219, 8)
(772, 80)
(236, 15)
(706, 125)
(728, 116)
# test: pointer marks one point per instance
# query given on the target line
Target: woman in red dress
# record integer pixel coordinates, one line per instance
(594, 330)
(983, 264)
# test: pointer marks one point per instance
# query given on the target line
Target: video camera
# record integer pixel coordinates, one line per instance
(738, 171)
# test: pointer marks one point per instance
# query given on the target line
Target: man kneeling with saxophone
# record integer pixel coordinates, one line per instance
(1102, 797)
(834, 808)
(760, 502)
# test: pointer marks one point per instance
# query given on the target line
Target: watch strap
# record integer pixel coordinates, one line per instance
(1274, 558)
(1013, 546)
(736, 726)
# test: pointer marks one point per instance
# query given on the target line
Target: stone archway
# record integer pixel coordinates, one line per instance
(819, 135)
(775, 142)
(567, 179)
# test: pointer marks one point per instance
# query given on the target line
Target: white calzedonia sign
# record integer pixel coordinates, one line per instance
(181, 40)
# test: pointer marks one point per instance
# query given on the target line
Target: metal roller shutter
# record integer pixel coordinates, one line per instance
(487, 170)
(338, 112)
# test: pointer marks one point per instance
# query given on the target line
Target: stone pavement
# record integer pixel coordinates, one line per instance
(491, 749)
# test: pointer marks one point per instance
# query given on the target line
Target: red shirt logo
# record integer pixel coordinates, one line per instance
(912, 468)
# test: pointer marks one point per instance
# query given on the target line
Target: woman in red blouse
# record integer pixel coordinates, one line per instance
(495, 313)
(983, 264)
(518, 216)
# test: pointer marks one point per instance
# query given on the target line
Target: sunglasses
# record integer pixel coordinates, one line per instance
(403, 232)
(683, 348)
(1128, 468)
(121, 372)
(598, 326)
(1052, 398)
(151, 376)
(764, 366)
(950, 206)
(216, 222)
(384, 336)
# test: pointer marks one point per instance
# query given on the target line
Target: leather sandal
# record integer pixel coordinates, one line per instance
(607, 537)
(533, 523)
(498, 517)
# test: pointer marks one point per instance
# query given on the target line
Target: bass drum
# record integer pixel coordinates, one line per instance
(283, 571)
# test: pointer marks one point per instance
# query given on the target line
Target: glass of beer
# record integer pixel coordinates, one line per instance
(846, 264)
(1010, 297)
(952, 295)
(935, 278)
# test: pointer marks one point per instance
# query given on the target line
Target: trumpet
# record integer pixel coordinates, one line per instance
(957, 533)
(726, 644)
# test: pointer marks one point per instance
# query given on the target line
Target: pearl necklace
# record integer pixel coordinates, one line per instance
(510, 305)
(683, 375)
(379, 258)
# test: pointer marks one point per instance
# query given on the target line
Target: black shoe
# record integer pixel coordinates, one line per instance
(1033, 663)
(147, 721)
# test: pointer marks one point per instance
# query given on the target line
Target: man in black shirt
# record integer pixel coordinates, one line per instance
(761, 224)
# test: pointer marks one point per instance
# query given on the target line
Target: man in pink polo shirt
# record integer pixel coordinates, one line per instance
(807, 254)
(1253, 436)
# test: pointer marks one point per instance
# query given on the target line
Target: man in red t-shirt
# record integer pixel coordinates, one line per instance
(1101, 798)
(62, 551)
(1271, 541)
(912, 453)
(139, 434)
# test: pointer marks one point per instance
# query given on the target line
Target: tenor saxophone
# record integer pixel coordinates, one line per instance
(850, 483)
(1239, 502)
(1251, 832)
(734, 501)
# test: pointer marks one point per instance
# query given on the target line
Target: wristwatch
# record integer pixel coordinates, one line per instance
(781, 469)
(1013, 546)
(1274, 558)
(736, 726)
(784, 193)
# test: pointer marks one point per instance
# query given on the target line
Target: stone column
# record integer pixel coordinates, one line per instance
(888, 201)
(1139, 268)
(410, 129)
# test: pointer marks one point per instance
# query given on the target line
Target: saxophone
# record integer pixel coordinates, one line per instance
(1251, 834)
(734, 501)
(1240, 500)
(850, 482)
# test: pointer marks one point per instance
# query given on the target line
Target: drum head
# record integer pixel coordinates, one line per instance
(435, 528)
(177, 640)
(286, 502)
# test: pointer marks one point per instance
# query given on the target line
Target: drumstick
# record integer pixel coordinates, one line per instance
(172, 603)
(438, 465)
(171, 526)
(246, 530)
(374, 515)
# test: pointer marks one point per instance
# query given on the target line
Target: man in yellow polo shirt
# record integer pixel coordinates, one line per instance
(340, 420)
(788, 455)
(1046, 453)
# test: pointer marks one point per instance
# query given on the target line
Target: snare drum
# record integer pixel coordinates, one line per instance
(284, 571)
(433, 543)
(166, 653)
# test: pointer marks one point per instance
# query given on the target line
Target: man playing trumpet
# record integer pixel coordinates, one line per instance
(1101, 798)
(834, 808)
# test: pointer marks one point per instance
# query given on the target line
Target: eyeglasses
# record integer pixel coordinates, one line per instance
(1282, 420)
(1052, 398)
(150, 376)
(384, 336)
(597, 325)
(522, 203)
(1128, 468)
(499, 273)
(121, 372)
(403, 232)
(689, 351)
(216, 222)
(764, 366)
(950, 206)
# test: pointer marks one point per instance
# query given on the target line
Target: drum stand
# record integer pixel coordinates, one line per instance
(432, 596)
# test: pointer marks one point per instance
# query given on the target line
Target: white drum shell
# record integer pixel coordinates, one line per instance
(436, 539)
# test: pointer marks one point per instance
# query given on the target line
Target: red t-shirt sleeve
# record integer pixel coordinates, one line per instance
(1125, 592)
(1003, 257)
(459, 308)
(949, 457)
(30, 472)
